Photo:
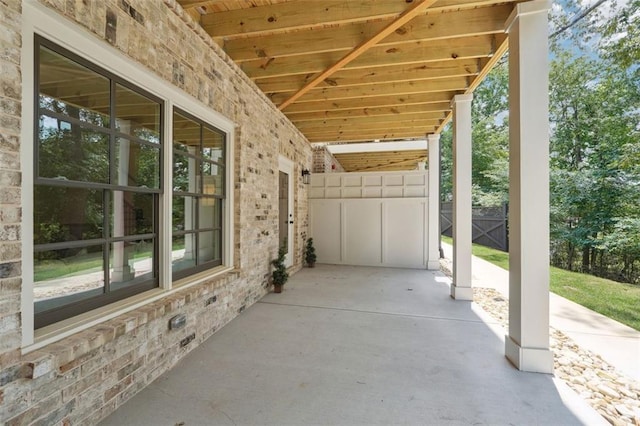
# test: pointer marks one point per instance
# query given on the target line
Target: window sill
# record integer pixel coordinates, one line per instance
(85, 334)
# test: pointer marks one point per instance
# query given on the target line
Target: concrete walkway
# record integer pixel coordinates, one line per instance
(616, 343)
(355, 346)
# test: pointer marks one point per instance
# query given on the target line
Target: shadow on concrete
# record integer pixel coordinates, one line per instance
(354, 345)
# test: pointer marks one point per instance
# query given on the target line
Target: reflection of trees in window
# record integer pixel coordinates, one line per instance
(97, 186)
(198, 194)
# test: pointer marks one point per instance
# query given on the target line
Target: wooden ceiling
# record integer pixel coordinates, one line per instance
(381, 161)
(360, 70)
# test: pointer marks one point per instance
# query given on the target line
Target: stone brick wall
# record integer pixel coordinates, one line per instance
(82, 378)
(10, 179)
(325, 162)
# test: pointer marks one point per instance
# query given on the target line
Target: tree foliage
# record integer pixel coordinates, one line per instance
(594, 141)
(490, 141)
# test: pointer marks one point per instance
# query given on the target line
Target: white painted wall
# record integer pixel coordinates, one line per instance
(370, 219)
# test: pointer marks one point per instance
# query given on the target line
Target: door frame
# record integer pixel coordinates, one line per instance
(286, 166)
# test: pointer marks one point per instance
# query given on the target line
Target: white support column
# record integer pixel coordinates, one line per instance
(461, 287)
(122, 270)
(190, 239)
(527, 344)
(433, 234)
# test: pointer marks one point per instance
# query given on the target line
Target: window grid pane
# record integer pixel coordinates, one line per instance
(199, 152)
(94, 243)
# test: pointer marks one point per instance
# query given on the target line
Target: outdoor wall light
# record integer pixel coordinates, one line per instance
(306, 176)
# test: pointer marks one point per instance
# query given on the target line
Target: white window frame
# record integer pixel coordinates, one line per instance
(38, 19)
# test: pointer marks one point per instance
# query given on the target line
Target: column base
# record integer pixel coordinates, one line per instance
(433, 265)
(533, 360)
(461, 293)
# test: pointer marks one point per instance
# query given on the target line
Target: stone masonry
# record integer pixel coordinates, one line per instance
(82, 378)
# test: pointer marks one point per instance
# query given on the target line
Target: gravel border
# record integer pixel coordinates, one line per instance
(612, 394)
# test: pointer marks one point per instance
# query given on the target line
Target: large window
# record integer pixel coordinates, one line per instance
(198, 194)
(98, 155)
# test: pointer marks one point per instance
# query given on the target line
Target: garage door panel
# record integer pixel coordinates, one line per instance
(325, 230)
(363, 232)
(404, 239)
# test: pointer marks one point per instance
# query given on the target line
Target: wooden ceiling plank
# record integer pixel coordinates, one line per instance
(363, 157)
(188, 4)
(435, 115)
(288, 16)
(380, 135)
(402, 88)
(398, 110)
(356, 127)
(369, 137)
(409, 53)
(405, 17)
(373, 102)
(502, 48)
(357, 77)
(392, 163)
(372, 121)
(366, 161)
(194, 14)
(414, 131)
(297, 14)
(433, 26)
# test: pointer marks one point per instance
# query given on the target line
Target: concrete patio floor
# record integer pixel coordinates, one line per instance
(355, 346)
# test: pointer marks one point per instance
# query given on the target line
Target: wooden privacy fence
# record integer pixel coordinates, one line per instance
(489, 225)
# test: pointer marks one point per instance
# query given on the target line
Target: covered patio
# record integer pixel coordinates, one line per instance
(355, 345)
(233, 95)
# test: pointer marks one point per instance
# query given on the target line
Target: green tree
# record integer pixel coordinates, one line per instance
(620, 40)
(594, 181)
(490, 141)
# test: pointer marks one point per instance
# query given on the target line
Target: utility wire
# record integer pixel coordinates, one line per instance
(577, 19)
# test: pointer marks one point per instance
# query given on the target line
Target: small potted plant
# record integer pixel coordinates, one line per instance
(310, 253)
(279, 275)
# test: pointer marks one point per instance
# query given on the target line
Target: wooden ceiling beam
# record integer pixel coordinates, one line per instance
(365, 161)
(382, 89)
(410, 163)
(357, 77)
(391, 160)
(417, 8)
(486, 69)
(387, 133)
(435, 115)
(394, 111)
(382, 136)
(349, 128)
(363, 157)
(456, 49)
(373, 102)
(433, 26)
(372, 134)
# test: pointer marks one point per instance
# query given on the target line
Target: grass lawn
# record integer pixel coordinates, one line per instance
(79, 264)
(615, 300)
